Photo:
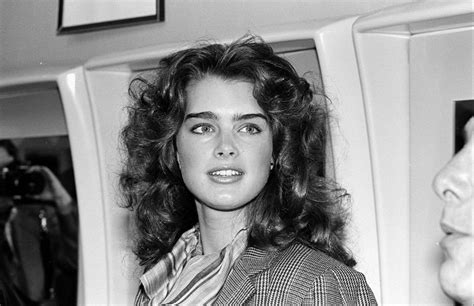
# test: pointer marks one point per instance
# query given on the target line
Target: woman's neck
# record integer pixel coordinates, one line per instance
(218, 228)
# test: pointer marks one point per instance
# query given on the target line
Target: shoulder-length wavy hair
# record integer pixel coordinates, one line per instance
(297, 203)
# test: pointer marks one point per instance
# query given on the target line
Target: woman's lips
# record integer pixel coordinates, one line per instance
(225, 175)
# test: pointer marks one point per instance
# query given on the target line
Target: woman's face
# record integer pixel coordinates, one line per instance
(224, 146)
(454, 185)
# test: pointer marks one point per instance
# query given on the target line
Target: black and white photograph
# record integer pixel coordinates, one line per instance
(236, 152)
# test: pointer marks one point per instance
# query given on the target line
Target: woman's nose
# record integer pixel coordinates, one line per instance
(226, 146)
(454, 181)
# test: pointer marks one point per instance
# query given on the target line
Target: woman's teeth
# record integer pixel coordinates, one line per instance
(226, 173)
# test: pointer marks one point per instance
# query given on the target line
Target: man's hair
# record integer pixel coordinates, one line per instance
(10, 147)
(297, 202)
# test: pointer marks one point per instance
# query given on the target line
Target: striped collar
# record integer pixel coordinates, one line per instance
(186, 276)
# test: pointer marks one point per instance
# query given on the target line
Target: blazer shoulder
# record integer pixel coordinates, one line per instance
(297, 274)
(310, 260)
(331, 280)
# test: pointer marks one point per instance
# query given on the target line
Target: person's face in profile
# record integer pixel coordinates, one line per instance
(224, 146)
(454, 185)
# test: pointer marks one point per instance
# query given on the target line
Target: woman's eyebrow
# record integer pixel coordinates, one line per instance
(201, 115)
(239, 117)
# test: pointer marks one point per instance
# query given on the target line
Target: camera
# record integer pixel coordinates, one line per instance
(18, 181)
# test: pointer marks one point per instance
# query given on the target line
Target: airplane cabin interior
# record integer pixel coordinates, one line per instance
(399, 80)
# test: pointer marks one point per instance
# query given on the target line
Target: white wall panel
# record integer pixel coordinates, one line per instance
(29, 41)
(108, 92)
(93, 263)
(383, 64)
(352, 159)
(441, 73)
(412, 60)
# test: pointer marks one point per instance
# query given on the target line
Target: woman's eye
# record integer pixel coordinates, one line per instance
(251, 129)
(202, 129)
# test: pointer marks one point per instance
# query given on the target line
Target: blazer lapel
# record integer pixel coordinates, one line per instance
(240, 284)
(237, 288)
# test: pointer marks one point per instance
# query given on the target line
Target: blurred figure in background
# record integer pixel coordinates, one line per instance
(38, 234)
(454, 185)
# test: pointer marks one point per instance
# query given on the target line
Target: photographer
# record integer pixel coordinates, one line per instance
(38, 235)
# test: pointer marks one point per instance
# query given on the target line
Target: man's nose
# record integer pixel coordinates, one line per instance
(454, 181)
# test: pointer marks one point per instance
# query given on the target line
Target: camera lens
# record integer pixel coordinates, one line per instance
(31, 183)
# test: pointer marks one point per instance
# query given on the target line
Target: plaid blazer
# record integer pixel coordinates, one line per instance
(295, 275)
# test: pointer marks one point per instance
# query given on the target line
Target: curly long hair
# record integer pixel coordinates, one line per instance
(297, 202)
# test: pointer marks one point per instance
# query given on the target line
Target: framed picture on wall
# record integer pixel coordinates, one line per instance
(78, 16)
(463, 111)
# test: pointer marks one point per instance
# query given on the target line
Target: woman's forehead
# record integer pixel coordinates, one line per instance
(221, 95)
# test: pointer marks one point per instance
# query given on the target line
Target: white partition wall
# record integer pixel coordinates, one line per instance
(442, 75)
(350, 143)
(414, 61)
(93, 265)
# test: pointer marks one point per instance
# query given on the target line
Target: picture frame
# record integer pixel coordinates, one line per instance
(463, 111)
(79, 16)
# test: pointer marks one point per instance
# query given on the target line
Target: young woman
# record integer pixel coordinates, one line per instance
(225, 154)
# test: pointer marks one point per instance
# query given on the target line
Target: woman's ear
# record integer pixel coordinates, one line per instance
(272, 163)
